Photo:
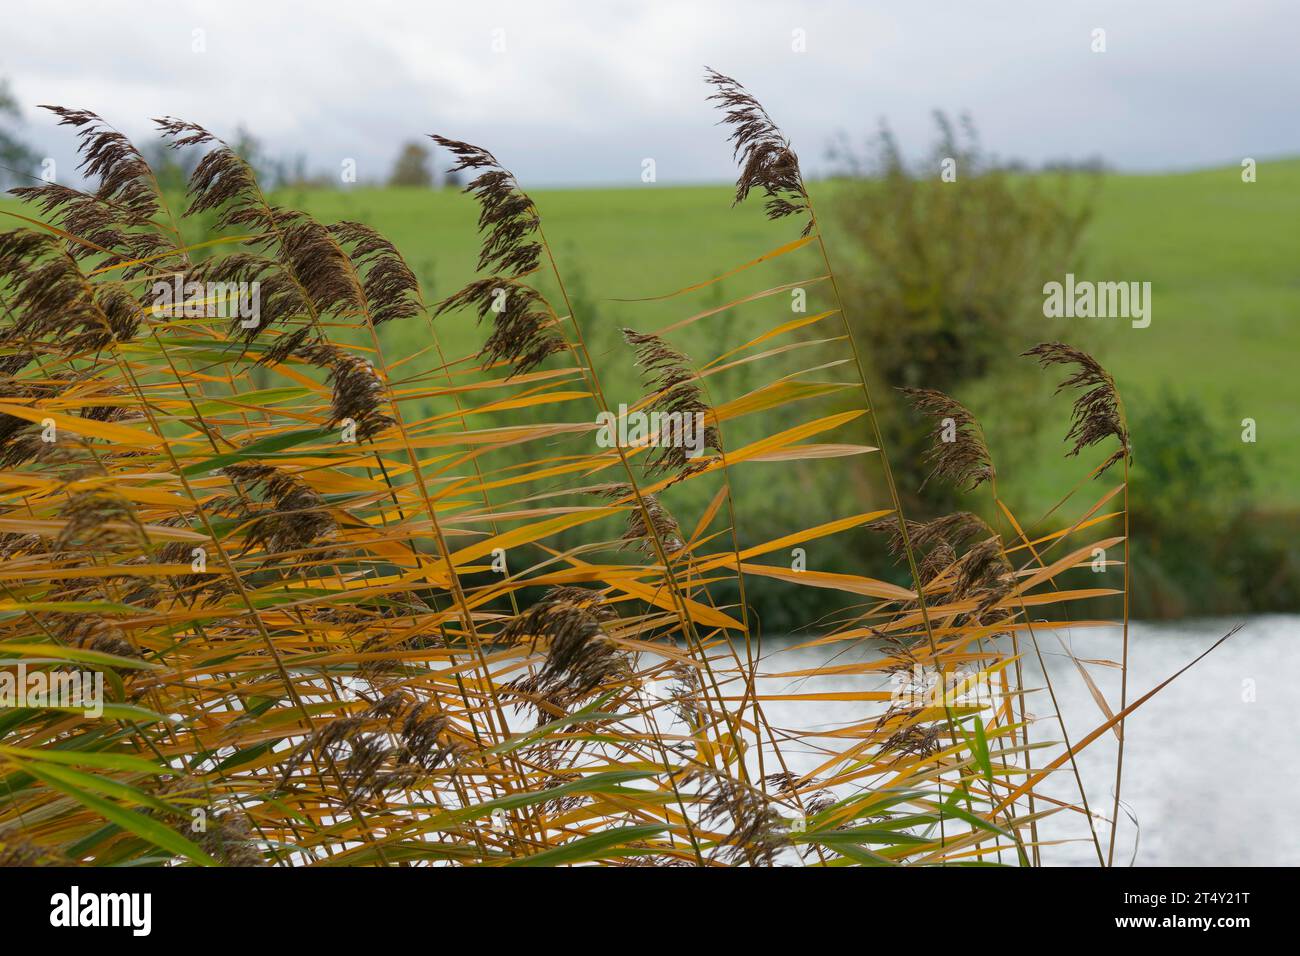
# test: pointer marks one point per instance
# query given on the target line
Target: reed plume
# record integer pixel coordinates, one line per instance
(662, 524)
(524, 332)
(116, 219)
(675, 391)
(957, 451)
(1097, 413)
(766, 160)
(580, 656)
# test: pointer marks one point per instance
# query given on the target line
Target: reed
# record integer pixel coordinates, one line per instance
(328, 592)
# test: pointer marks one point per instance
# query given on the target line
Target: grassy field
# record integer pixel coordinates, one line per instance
(1223, 258)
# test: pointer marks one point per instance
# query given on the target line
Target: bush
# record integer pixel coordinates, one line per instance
(946, 277)
(412, 167)
(1202, 549)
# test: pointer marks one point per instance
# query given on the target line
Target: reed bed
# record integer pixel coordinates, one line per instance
(334, 593)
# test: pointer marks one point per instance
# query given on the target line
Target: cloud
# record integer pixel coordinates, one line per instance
(571, 93)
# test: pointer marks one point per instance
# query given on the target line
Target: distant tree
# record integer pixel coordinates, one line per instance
(16, 158)
(171, 167)
(412, 167)
(250, 149)
(1089, 164)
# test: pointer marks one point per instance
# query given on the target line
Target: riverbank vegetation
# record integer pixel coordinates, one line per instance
(354, 605)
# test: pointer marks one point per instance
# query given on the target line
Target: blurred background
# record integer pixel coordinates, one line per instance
(1157, 144)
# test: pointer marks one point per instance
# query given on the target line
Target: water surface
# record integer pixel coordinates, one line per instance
(1211, 766)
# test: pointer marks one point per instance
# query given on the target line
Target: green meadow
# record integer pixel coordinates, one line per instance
(1222, 257)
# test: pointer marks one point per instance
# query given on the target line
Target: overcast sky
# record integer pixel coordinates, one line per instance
(583, 92)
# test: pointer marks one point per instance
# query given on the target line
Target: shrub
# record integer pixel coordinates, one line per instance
(946, 277)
